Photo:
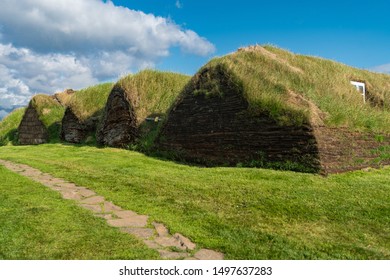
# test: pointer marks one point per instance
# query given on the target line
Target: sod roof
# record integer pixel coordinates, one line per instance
(90, 101)
(133, 101)
(152, 92)
(49, 110)
(295, 89)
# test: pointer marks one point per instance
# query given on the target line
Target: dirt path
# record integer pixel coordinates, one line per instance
(169, 246)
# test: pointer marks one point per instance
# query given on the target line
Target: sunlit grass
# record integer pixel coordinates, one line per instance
(90, 101)
(268, 74)
(152, 92)
(245, 213)
(36, 223)
(9, 125)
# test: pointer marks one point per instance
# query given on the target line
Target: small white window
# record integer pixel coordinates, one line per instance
(361, 87)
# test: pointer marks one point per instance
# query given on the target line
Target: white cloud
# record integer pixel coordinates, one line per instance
(85, 25)
(385, 68)
(48, 45)
(178, 4)
(24, 73)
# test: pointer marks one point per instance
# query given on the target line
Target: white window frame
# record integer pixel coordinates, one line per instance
(358, 85)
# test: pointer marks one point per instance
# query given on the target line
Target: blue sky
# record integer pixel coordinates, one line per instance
(47, 46)
(356, 33)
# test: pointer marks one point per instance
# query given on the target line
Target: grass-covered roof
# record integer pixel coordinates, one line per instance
(49, 110)
(134, 99)
(90, 101)
(152, 92)
(296, 89)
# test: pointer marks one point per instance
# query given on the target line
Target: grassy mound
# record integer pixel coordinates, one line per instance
(89, 102)
(152, 92)
(266, 107)
(295, 89)
(64, 97)
(48, 109)
(133, 105)
(84, 113)
(50, 113)
(9, 126)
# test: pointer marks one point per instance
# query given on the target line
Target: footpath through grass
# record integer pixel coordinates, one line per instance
(244, 213)
(36, 223)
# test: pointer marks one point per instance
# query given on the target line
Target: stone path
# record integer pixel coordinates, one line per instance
(156, 237)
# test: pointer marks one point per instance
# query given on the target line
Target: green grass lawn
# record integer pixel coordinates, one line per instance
(36, 223)
(244, 213)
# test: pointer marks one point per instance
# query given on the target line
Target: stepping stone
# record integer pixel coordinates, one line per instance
(46, 183)
(143, 233)
(172, 255)
(136, 221)
(85, 192)
(30, 173)
(93, 200)
(25, 167)
(67, 185)
(169, 242)
(151, 244)
(161, 229)
(15, 168)
(205, 254)
(44, 177)
(184, 241)
(124, 214)
(58, 181)
(93, 207)
(110, 207)
(71, 195)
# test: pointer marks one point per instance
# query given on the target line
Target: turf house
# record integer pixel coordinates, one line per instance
(267, 107)
(136, 106)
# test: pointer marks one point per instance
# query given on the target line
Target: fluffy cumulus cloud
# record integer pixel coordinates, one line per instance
(47, 45)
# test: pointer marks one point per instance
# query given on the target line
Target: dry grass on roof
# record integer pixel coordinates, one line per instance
(268, 75)
(152, 92)
(90, 101)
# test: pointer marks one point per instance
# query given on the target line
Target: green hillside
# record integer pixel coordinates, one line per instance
(9, 126)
